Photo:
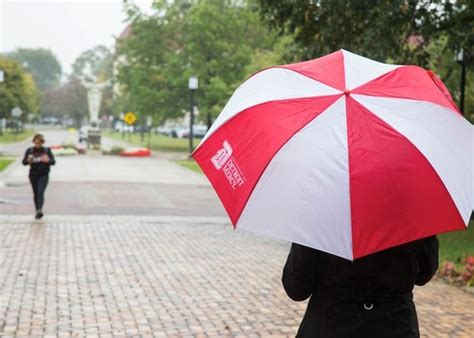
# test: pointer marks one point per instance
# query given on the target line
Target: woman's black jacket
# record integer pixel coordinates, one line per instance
(38, 168)
(368, 297)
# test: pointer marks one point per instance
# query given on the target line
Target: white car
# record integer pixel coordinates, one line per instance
(198, 131)
(122, 127)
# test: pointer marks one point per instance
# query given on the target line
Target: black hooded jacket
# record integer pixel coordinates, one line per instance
(369, 297)
(38, 168)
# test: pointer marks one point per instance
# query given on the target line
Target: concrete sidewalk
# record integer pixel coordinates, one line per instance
(53, 136)
(99, 168)
(108, 185)
(95, 167)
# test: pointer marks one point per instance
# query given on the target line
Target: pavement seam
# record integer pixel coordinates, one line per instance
(117, 219)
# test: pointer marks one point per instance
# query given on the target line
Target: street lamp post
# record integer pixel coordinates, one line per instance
(460, 58)
(149, 123)
(193, 85)
(2, 79)
(122, 120)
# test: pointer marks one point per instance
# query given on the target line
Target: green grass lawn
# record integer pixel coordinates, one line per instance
(9, 137)
(5, 162)
(454, 246)
(190, 164)
(157, 141)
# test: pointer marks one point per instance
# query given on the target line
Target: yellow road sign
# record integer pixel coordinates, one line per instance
(130, 118)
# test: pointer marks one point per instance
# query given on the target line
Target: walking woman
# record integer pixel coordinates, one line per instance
(39, 158)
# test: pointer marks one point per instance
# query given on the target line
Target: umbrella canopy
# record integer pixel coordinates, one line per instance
(343, 154)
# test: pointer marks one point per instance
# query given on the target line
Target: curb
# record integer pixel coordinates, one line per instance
(15, 164)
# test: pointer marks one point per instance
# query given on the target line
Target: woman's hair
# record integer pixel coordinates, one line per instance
(38, 137)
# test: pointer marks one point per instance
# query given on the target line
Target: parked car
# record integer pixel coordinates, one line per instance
(198, 131)
(181, 133)
(68, 122)
(50, 120)
(169, 130)
(122, 127)
(141, 129)
(174, 132)
(164, 130)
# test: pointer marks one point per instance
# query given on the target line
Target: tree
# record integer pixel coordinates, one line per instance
(140, 67)
(442, 62)
(423, 32)
(219, 39)
(17, 90)
(68, 100)
(457, 26)
(96, 63)
(396, 30)
(41, 63)
(212, 39)
(30, 96)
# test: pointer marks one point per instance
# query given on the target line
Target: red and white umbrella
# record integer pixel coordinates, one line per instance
(343, 154)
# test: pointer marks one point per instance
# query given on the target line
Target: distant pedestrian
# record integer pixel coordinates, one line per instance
(39, 158)
(369, 297)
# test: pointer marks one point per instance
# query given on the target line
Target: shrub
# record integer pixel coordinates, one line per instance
(466, 277)
(115, 150)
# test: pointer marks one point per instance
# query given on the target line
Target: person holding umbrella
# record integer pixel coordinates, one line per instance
(39, 158)
(368, 297)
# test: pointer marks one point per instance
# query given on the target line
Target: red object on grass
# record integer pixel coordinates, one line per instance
(136, 152)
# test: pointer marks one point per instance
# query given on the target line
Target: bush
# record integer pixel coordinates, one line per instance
(115, 150)
(69, 146)
(466, 277)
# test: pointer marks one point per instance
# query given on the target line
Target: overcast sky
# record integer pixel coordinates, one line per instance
(67, 27)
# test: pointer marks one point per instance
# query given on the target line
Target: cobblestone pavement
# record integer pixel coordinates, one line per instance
(154, 277)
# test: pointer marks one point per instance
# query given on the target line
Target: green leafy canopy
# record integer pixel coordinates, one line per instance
(215, 40)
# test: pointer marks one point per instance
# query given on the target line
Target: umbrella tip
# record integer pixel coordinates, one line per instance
(347, 92)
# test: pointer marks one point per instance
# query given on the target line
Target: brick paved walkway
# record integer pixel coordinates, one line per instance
(90, 277)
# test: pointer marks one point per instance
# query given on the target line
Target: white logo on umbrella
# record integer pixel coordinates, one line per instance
(223, 160)
(222, 155)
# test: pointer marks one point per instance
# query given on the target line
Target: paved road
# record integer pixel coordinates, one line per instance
(53, 136)
(142, 248)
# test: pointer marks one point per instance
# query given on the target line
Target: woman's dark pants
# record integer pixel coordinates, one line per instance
(39, 183)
